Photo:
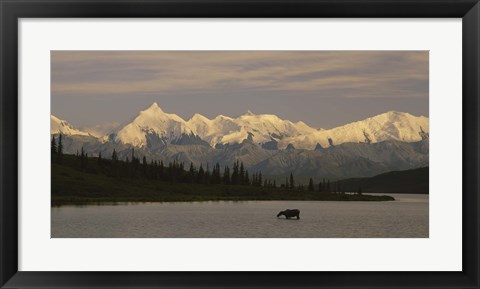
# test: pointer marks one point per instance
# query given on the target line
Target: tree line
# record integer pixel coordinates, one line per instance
(176, 171)
(326, 187)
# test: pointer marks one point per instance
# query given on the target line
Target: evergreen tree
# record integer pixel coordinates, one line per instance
(144, 166)
(201, 175)
(213, 177)
(151, 170)
(286, 183)
(82, 159)
(328, 186)
(60, 149)
(219, 174)
(259, 178)
(114, 167)
(310, 185)
(53, 146)
(247, 178)
(170, 171)
(161, 171)
(114, 156)
(320, 187)
(292, 182)
(191, 173)
(241, 174)
(235, 174)
(216, 176)
(126, 169)
(359, 190)
(99, 158)
(86, 162)
(226, 175)
(207, 176)
(154, 173)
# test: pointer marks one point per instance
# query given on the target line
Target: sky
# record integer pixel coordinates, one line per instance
(322, 88)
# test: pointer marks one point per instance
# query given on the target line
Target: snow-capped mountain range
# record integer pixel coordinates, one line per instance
(60, 126)
(391, 125)
(263, 142)
(153, 126)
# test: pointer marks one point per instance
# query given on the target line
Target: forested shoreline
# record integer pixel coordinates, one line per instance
(80, 179)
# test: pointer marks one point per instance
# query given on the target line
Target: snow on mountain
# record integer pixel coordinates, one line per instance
(260, 128)
(263, 128)
(101, 130)
(220, 130)
(211, 130)
(59, 126)
(391, 125)
(386, 142)
(152, 121)
(153, 125)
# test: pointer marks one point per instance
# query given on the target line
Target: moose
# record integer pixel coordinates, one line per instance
(290, 213)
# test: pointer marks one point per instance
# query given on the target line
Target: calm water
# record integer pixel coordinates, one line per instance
(405, 217)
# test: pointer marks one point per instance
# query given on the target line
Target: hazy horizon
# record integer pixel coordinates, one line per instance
(324, 89)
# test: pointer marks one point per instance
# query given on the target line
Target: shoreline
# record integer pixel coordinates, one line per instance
(75, 201)
(72, 185)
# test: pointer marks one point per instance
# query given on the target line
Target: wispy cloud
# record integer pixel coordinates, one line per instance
(349, 74)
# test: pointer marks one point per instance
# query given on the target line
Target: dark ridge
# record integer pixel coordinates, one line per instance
(414, 181)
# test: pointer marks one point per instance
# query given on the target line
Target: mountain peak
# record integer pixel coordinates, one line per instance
(394, 116)
(222, 117)
(265, 127)
(199, 117)
(249, 113)
(60, 126)
(154, 107)
(56, 119)
(394, 113)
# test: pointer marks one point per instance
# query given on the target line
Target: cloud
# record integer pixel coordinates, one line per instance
(325, 73)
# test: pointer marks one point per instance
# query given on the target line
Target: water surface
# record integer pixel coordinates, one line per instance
(407, 217)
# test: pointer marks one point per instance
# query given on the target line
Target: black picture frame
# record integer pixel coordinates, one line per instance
(12, 10)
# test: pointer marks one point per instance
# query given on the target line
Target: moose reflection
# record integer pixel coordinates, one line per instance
(290, 213)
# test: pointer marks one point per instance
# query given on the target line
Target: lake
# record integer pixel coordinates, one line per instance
(406, 217)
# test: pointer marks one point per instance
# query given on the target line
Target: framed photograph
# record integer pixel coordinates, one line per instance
(236, 144)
